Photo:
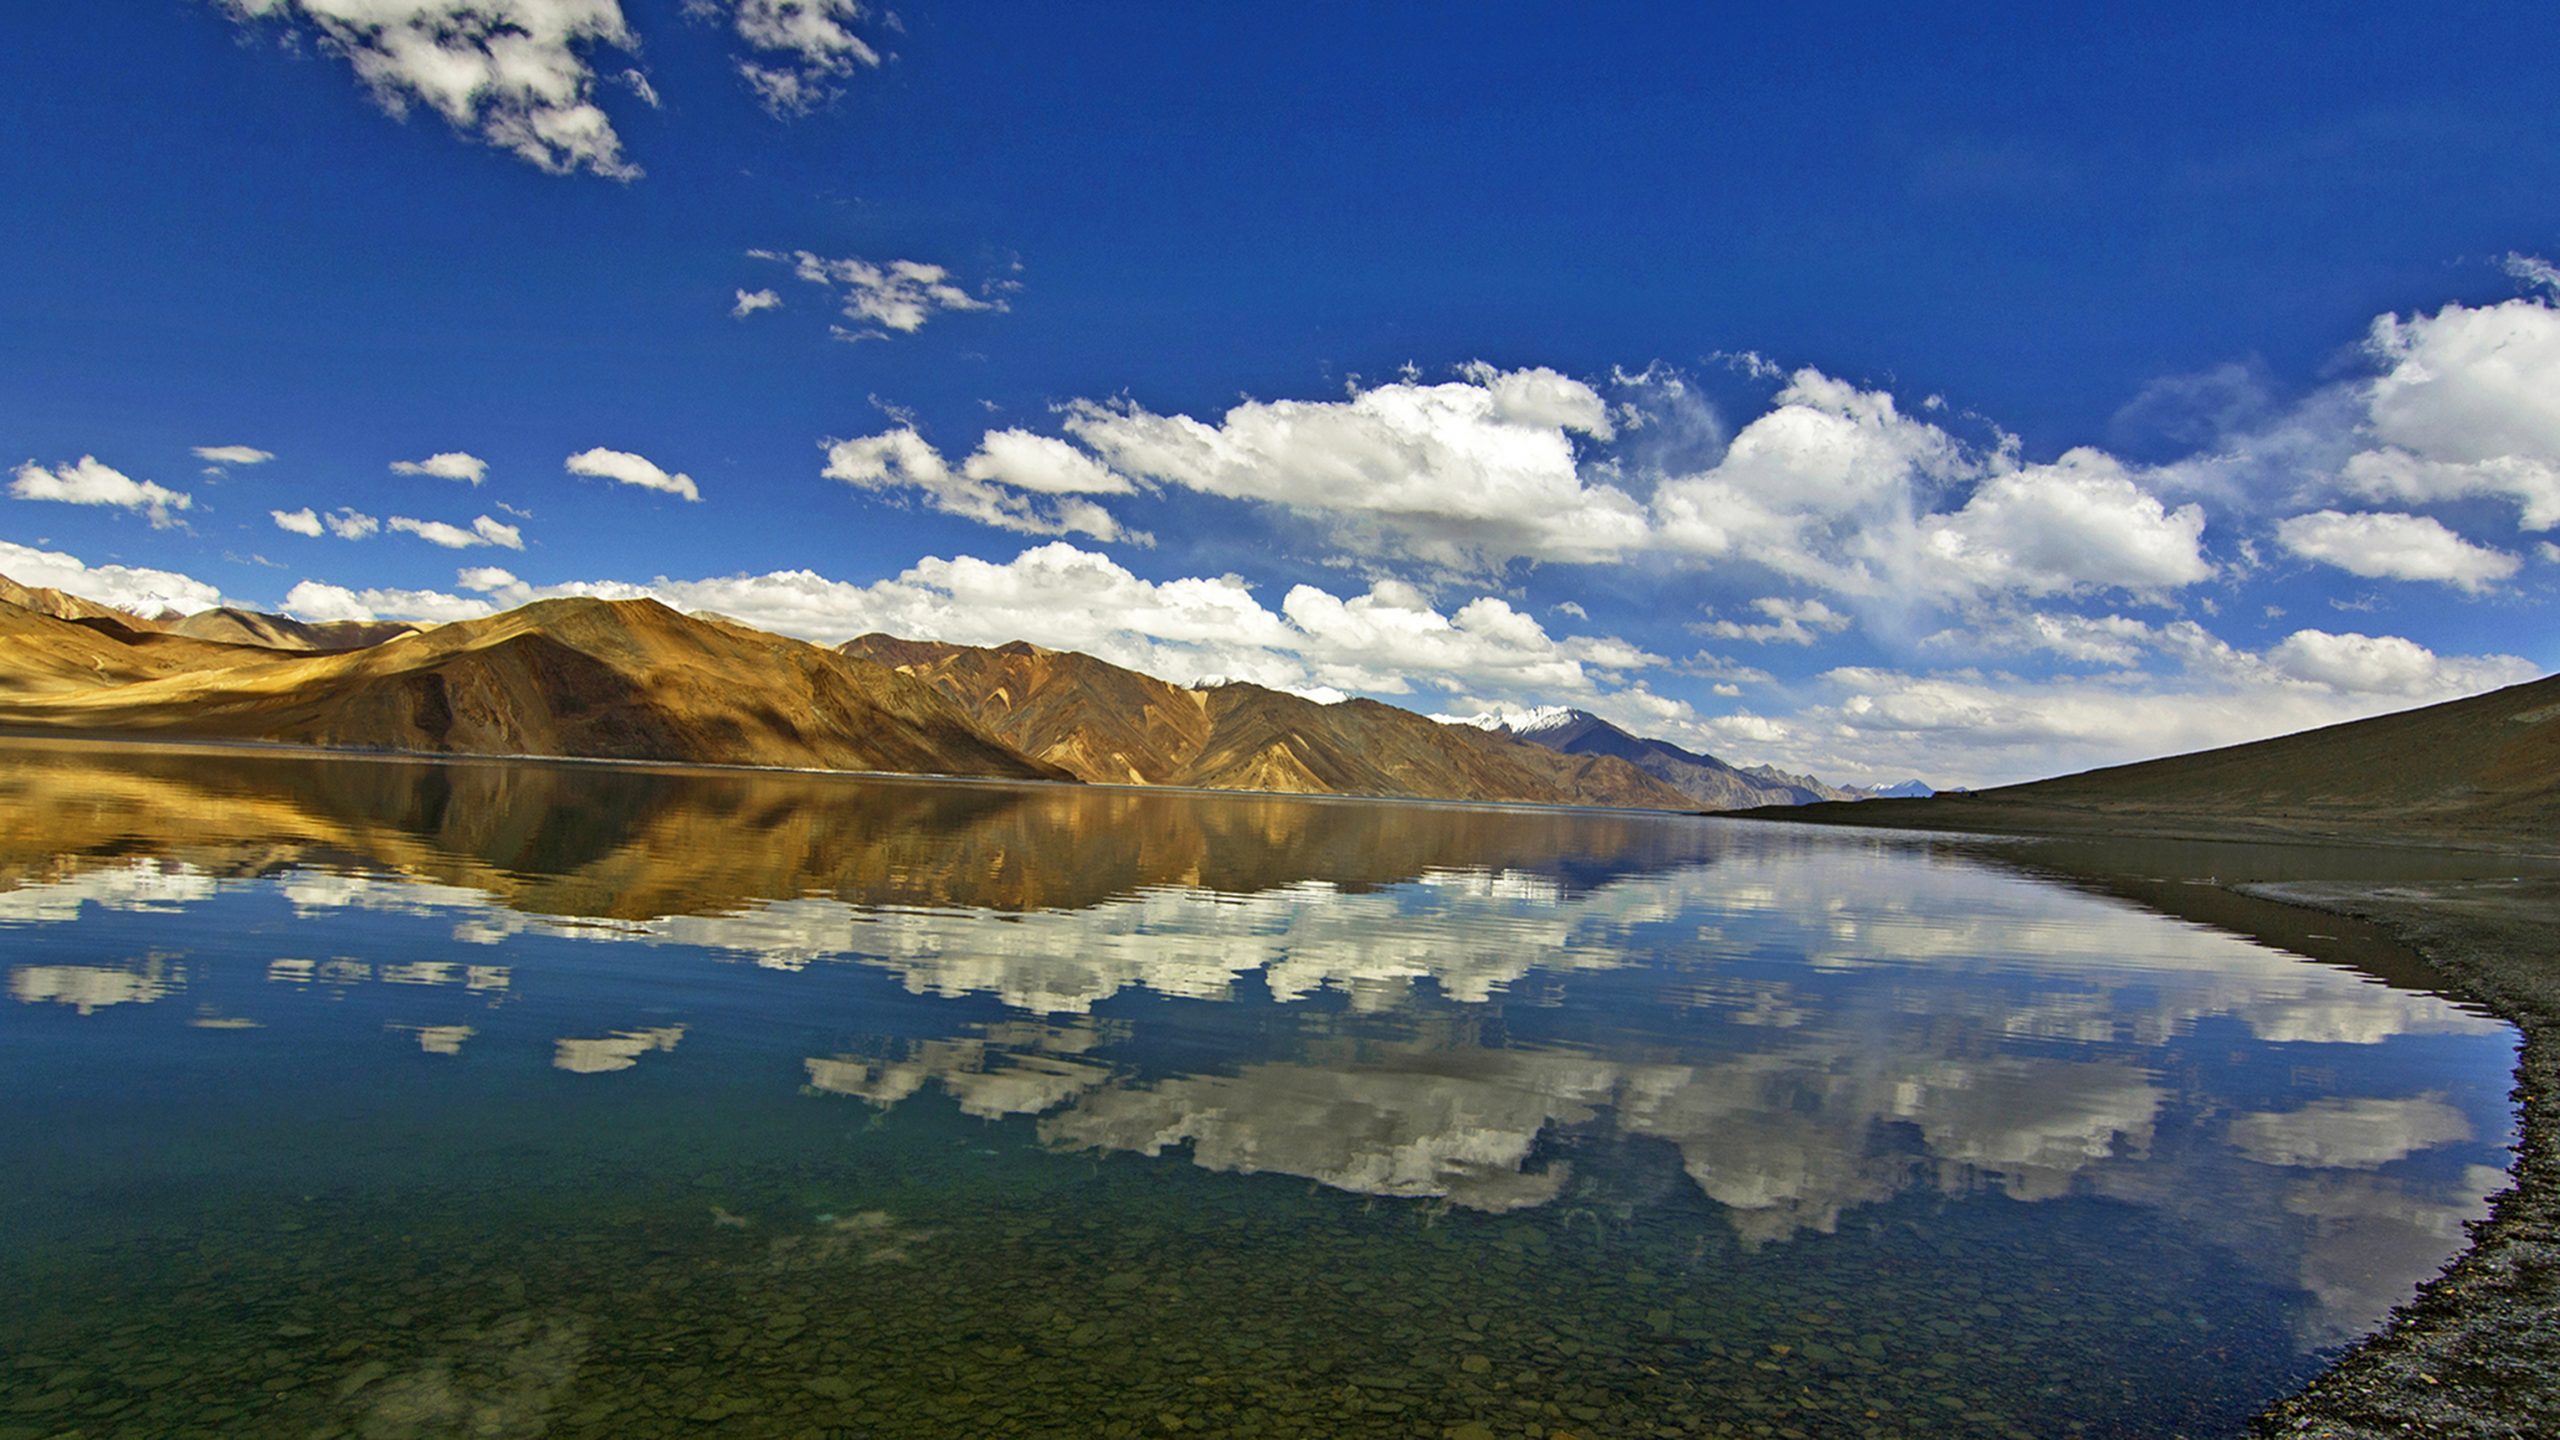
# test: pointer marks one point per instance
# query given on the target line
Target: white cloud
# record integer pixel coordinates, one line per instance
(445, 465)
(1834, 486)
(1466, 474)
(86, 481)
(349, 524)
(300, 522)
(626, 468)
(2390, 666)
(1043, 464)
(899, 295)
(483, 531)
(1837, 487)
(514, 73)
(1801, 486)
(751, 301)
(233, 454)
(903, 460)
(317, 601)
(142, 591)
(804, 49)
(1790, 622)
(2395, 547)
(2079, 524)
(2468, 404)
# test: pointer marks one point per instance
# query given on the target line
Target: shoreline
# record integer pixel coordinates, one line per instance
(39, 735)
(2476, 1351)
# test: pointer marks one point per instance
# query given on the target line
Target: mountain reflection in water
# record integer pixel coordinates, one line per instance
(1647, 1030)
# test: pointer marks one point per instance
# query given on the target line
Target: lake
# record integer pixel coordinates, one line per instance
(378, 1098)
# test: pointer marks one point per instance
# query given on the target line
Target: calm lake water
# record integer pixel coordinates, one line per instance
(385, 1099)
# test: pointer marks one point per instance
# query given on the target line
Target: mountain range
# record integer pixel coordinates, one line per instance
(1710, 783)
(635, 680)
(1105, 724)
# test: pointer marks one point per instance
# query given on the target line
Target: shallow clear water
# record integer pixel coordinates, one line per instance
(386, 1099)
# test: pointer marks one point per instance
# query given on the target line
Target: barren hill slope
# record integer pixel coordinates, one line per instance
(282, 632)
(2486, 767)
(574, 677)
(1109, 724)
(1098, 721)
(42, 654)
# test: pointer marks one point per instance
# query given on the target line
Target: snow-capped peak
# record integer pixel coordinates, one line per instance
(1518, 722)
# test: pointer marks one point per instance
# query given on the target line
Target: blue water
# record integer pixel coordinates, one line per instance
(383, 1099)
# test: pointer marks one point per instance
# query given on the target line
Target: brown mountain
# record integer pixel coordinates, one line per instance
(45, 655)
(2482, 769)
(283, 632)
(577, 677)
(1107, 724)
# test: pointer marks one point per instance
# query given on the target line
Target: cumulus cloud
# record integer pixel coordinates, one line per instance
(2468, 403)
(1789, 622)
(1834, 486)
(87, 481)
(990, 486)
(513, 73)
(882, 296)
(1466, 474)
(1043, 464)
(483, 531)
(625, 468)
(803, 50)
(1838, 487)
(217, 456)
(344, 523)
(2081, 523)
(142, 591)
(2391, 546)
(445, 465)
(751, 301)
(316, 600)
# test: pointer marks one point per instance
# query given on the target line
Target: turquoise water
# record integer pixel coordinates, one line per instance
(383, 1099)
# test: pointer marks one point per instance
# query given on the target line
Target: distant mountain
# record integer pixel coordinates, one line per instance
(62, 605)
(1816, 789)
(43, 654)
(575, 677)
(283, 632)
(1104, 723)
(1907, 790)
(2484, 769)
(1707, 782)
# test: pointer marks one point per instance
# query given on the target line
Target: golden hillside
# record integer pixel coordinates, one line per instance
(1107, 724)
(628, 680)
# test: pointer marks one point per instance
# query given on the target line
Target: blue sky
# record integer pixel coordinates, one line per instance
(1872, 391)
